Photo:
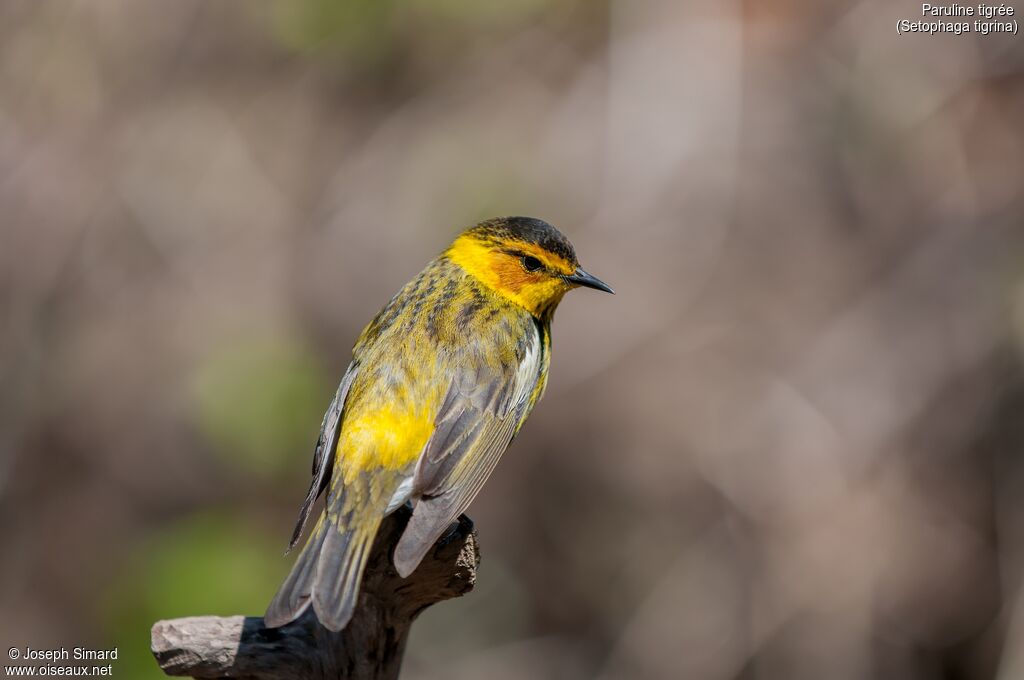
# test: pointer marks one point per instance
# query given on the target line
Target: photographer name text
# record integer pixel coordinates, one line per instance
(63, 654)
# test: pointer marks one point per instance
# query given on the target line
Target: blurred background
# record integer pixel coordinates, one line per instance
(790, 447)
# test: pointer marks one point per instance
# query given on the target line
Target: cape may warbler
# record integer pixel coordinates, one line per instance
(440, 382)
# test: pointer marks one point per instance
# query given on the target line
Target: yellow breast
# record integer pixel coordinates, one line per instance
(385, 437)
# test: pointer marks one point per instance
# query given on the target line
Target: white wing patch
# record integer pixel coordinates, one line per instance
(529, 369)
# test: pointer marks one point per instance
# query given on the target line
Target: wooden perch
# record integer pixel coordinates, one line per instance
(369, 648)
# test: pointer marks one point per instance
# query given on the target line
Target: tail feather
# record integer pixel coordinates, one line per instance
(340, 572)
(293, 597)
(329, 570)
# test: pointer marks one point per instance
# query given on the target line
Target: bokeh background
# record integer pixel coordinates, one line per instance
(790, 447)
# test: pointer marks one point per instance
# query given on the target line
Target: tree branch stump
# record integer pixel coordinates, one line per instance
(369, 648)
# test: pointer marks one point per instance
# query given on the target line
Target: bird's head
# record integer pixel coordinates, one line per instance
(525, 260)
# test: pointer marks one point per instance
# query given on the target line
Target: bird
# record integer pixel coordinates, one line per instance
(440, 382)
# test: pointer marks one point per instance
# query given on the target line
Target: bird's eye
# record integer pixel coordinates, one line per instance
(531, 264)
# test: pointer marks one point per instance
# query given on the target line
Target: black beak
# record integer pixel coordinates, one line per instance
(582, 278)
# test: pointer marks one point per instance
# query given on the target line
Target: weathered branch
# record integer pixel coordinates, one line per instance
(369, 648)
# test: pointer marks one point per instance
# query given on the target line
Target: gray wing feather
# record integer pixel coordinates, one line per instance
(323, 457)
(474, 426)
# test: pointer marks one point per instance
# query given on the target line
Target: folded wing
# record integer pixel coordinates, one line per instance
(481, 413)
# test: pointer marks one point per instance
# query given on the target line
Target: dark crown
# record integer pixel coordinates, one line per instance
(528, 230)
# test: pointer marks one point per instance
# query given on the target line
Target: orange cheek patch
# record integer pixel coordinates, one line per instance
(511, 273)
(503, 272)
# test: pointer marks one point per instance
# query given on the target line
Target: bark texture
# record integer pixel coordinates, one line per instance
(369, 648)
